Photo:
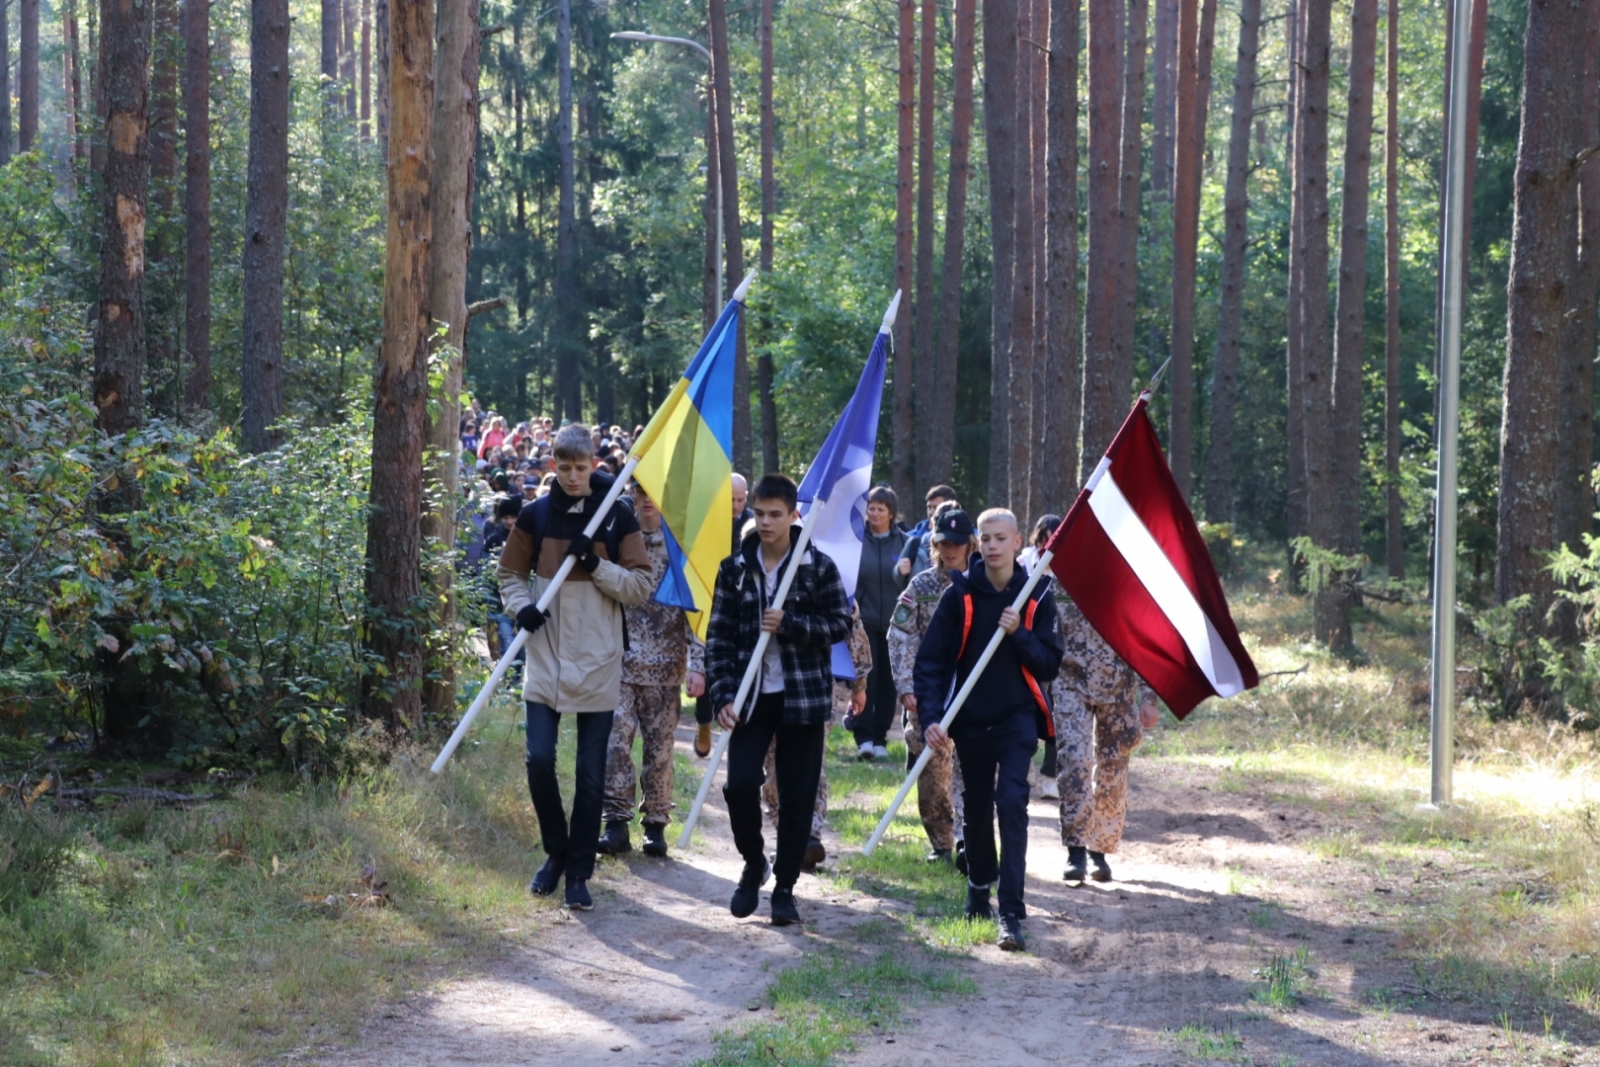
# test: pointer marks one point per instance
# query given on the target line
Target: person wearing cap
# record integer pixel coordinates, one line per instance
(939, 789)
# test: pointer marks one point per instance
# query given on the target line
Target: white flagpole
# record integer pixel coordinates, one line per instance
(521, 639)
(1040, 569)
(749, 679)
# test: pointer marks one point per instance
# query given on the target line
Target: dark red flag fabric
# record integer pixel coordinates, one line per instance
(1130, 555)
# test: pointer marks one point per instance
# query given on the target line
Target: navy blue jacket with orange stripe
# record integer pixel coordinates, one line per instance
(1017, 680)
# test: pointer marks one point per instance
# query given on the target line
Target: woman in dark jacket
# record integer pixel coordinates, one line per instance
(877, 590)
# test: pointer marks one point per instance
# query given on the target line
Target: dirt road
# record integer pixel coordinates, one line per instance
(1167, 964)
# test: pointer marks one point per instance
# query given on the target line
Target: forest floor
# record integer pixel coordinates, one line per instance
(1281, 898)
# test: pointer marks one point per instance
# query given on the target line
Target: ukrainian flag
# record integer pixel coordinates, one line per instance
(685, 463)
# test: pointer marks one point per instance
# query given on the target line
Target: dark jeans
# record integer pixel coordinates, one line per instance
(872, 725)
(797, 764)
(703, 710)
(1007, 748)
(574, 846)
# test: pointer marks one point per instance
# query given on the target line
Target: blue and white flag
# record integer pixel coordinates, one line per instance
(840, 477)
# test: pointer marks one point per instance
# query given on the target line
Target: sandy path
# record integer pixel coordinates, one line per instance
(1210, 884)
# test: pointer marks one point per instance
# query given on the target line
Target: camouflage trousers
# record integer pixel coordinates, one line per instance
(939, 789)
(769, 788)
(651, 711)
(1093, 742)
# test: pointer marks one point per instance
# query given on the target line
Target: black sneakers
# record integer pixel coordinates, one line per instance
(784, 911)
(961, 856)
(578, 898)
(815, 854)
(1077, 864)
(1102, 869)
(748, 893)
(978, 902)
(1011, 939)
(544, 883)
(614, 842)
(655, 839)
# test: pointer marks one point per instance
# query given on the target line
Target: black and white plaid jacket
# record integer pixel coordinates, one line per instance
(816, 615)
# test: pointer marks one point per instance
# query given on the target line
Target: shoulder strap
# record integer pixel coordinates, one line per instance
(541, 520)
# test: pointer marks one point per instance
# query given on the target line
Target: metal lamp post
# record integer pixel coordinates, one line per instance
(712, 173)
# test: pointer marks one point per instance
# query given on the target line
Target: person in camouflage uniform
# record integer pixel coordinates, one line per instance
(940, 787)
(661, 654)
(849, 694)
(1101, 712)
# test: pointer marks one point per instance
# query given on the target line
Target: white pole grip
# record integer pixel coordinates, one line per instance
(545, 600)
(1040, 569)
(749, 679)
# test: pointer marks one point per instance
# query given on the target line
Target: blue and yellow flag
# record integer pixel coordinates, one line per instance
(685, 461)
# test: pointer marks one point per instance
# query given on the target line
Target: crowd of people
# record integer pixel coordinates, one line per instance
(927, 601)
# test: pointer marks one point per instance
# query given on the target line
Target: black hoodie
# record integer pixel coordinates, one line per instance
(943, 664)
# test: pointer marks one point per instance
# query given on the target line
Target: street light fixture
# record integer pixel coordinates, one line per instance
(712, 174)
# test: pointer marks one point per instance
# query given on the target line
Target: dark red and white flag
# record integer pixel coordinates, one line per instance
(1133, 560)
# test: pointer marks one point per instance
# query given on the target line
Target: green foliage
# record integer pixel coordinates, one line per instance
(1573, 667)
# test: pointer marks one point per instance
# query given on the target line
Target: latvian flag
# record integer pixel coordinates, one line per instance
(1132, 558)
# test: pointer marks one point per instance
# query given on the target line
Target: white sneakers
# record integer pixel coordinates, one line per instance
(1048, 790)
(879, 752)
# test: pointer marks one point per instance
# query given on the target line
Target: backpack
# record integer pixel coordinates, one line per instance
(1033, 685)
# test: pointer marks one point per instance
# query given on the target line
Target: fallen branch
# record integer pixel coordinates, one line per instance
(1274, 674)
(479, 307)
(160, 796)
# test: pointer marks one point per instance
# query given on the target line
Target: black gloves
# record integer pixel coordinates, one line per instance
(530, 618)
(582, 546)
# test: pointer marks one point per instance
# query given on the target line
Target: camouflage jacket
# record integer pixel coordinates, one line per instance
(1089, 667)
(661, 647)
(910, 622)
(860, 653)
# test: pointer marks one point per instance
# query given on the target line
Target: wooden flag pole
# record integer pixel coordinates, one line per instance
(545, 600)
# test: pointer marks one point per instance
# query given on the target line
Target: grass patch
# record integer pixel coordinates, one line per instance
(828, 999)
(1201, 1042)
(1282, 981)
(237, 930)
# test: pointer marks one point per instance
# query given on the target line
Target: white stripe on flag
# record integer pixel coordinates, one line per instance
(1166, 587)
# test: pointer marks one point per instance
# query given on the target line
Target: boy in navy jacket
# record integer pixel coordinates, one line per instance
(998, 728)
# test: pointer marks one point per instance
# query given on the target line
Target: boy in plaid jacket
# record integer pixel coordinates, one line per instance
(793, 694)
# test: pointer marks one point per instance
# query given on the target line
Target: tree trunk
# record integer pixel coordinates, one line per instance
(163, 371)
(709, 309)
(5, 82)
(1103, 394)
(1394, 515)
(27, 74)
(72, 79)
(380, 48)
(1543, 235)
(1577, 499)
(266, 207)
(330, 44)
(1064, 381)
(1038, 502)
(347, 60)
(1129, 206)
(1019, 401)
(1350, 339)
(1230, 310)
(394, 543)
(1194, 98)
(728, 172)
(119, 351)
(1294, 369)
(1332, 610)
(769, 207)
(454, 137)
(197, 203)
(1164, 108)
(366, 69)
(903, 473)
(925, 318)
(936, 468)
(1000, 135)
(569, 387)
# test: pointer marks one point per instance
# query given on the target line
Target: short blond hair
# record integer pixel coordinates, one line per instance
(1000, 515)
(573, 442)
